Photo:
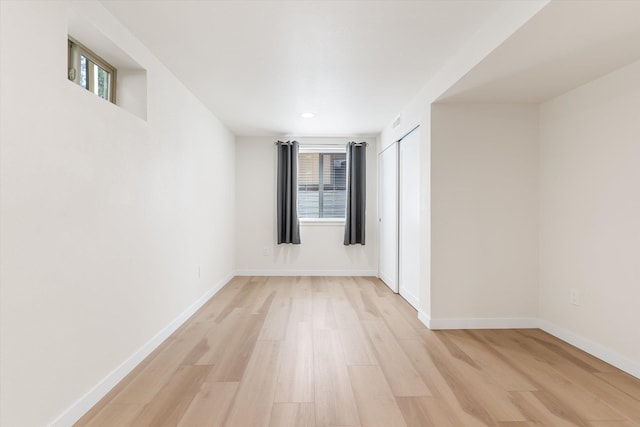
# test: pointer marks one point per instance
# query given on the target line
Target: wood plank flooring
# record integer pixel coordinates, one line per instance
(329, 352)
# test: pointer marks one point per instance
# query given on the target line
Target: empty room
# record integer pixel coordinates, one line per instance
(323, 213)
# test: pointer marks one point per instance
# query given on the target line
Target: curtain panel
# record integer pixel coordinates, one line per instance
(287, 199)
(354, 226)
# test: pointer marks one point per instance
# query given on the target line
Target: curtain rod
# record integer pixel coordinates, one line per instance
(366, 144)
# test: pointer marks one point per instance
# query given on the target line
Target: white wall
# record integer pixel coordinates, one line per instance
(588, 228)
(105, 217)
(510, 17)
(590, 212)
(506, 21)
(321, 250)
(484, 201)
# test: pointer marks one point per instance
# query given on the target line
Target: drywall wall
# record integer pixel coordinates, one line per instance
(484, 200)
(321, 250)
(590, 213)
(112, 226)
(508, 19)
(588, 207)
(502, 25)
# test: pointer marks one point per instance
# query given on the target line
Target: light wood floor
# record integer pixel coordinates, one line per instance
(332, 351)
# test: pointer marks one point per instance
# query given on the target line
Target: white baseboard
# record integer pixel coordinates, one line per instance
(630, 366)
(620, 361)
(424, 318)
(346, 273)
(86, 402)
(484, 323)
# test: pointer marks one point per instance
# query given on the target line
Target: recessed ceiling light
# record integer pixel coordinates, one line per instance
(307, 115)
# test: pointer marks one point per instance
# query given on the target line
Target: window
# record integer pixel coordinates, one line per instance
(322, 183)
(91, 72)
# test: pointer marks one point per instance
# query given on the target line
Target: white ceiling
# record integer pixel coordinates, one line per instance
(257, 65)
(565, 45)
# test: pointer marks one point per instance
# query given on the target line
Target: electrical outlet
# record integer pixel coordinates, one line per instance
(266, 251)
(575, 297)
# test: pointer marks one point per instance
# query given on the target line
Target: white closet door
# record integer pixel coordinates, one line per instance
(409, 218)
(388, 216)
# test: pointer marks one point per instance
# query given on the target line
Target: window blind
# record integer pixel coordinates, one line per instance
(322, 184)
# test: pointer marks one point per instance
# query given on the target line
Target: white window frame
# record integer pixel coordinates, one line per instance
(75, 51)
(324, 149)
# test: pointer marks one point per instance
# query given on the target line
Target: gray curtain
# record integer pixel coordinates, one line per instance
(287, 212)
(354, 226)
